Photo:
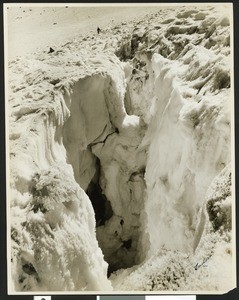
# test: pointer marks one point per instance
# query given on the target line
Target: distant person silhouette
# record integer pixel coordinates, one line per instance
(98, 30)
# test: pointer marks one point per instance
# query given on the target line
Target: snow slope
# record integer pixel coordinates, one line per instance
(28, 25)
(120, 151)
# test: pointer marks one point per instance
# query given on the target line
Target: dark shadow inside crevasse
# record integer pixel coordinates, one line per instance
(102, 207)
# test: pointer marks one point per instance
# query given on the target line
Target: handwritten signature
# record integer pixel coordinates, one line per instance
(202, 264)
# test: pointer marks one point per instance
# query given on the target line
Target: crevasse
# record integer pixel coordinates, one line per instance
(115, 168)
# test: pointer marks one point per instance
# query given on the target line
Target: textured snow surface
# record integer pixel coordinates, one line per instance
(120, 151)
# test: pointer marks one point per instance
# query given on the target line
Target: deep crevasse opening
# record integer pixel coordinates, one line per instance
(103, 151)
(125, 162)
(168, 197)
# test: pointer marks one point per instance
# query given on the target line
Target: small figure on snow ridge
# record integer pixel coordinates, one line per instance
(98, 30)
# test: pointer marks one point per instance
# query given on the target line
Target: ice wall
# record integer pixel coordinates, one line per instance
(180, 88)
(189, 146)
(54, 245)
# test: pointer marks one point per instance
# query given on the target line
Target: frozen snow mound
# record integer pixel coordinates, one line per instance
(120, 156)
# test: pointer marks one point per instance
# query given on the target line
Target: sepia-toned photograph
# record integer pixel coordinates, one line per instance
(120, 148)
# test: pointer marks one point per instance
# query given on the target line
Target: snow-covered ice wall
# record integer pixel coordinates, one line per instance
(199, 134)
(120, 158)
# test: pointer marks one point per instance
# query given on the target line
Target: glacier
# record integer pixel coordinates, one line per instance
(120, 173)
